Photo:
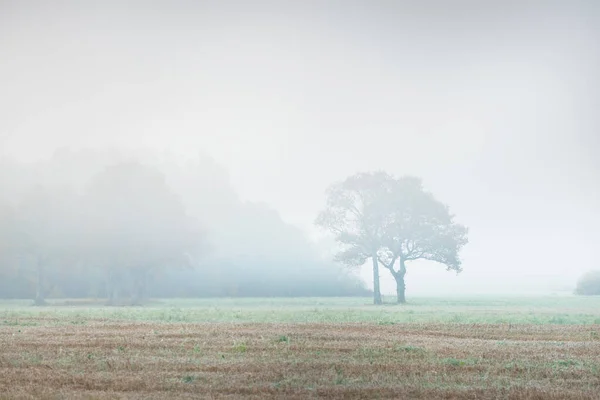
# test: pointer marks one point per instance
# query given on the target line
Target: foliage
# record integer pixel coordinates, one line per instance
(46, 233)
(356, 215)
(589, 284)
(7, 231)
(420, 228)
(137, 225)
(113, 224)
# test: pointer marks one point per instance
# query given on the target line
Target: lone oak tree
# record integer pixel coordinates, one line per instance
(390, 220)
(355, 213)
(419, 228)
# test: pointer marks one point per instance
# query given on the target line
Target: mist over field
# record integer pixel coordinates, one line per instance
(300, 199)
(252, 109)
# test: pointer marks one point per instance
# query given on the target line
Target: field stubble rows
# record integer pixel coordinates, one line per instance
(124, 359)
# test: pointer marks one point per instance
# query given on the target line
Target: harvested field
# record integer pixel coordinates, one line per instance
(40, 358)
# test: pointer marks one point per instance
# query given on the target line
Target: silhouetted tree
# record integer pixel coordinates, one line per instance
(419, 227)
(357, 214)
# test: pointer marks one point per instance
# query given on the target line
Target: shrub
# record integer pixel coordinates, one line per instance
(589, 284)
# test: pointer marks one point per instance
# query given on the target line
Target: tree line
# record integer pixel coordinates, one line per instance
(127, 227)
(392, 222)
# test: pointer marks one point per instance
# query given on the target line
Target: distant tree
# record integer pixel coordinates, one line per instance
(46, 234)
(136, 225)
(7, 233)
(357, 214)
(419, 227)
(589, 284)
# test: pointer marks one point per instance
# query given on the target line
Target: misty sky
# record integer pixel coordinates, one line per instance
(493, 103)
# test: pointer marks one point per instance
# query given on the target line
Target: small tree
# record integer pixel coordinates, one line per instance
(589, 284)
(356, 215)
(419, 228)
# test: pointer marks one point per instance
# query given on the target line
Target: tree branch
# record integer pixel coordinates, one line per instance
(389, 266)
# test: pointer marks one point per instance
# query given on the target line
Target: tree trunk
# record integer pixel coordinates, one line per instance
(400, 285)
(39, 289)
(376, 288)
(112, 288)
(400, 289)
(137, 294)
(145, 287)
(109, 293)
(109, 289)
(114, 296)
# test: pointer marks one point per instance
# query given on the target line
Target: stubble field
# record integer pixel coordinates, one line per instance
(519, 348)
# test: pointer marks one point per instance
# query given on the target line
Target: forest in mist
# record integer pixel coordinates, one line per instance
(127, 225)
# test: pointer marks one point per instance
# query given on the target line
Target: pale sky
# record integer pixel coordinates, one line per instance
(492, 103)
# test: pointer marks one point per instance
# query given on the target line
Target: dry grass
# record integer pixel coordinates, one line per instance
(110, 359)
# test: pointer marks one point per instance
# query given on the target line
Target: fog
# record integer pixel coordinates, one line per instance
(492, 103)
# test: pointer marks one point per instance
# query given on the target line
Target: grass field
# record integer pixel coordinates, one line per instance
(461, 348)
